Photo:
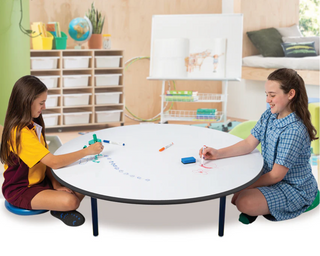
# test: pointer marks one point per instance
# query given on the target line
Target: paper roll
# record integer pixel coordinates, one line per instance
(169, 68)
(171, 48)
(168, 58)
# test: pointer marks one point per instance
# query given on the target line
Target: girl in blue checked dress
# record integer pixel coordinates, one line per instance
(287, 186)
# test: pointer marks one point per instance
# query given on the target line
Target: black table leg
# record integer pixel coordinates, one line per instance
(222, 213)
(94, 212)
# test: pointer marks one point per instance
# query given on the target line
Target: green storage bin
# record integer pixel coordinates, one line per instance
(59, 43)
(206, 111)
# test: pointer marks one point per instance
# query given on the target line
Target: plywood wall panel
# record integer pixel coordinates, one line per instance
(259, 14)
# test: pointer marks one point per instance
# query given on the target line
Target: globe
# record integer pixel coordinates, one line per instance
(80, 30)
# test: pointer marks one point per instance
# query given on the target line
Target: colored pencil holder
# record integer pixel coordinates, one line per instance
(59, 43)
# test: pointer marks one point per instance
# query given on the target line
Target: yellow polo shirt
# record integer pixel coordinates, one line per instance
(32, 150)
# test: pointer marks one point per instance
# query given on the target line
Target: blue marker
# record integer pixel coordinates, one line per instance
(112, 142)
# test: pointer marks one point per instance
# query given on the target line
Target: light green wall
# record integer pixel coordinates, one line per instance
(14, 49)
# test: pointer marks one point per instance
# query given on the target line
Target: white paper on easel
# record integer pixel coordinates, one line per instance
(205, 29)
(193, 58)
(168, 58)
(207, 58)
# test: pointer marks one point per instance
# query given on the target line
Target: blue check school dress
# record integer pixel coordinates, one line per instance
(286, 142)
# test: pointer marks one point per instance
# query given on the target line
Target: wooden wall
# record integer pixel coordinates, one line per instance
(129, 23)
(259, 14)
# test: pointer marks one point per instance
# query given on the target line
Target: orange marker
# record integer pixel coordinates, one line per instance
(168, 146)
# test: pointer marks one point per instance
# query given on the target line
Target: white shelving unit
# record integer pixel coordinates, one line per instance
(85, 87)
(191, 115)
(189, 47)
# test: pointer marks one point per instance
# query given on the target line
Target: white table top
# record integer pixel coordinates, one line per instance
(139, 173)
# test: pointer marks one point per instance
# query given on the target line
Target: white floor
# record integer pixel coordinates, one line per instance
(187, 229)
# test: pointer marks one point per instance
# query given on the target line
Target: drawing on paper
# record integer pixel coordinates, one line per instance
(189, 57)
(195, 60)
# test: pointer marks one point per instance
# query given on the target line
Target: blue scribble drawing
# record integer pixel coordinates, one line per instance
(94, 159)
(115, 167)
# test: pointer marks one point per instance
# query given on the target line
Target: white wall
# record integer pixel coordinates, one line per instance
(246, 99)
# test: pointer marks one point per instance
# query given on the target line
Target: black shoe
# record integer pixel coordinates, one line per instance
(247, 219)
(71, 218)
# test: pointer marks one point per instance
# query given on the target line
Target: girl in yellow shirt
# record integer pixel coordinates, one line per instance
(28, 182)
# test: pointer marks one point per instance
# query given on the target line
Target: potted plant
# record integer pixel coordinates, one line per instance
(95, 17)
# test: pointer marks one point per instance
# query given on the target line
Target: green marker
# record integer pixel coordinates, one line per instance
(95, 139)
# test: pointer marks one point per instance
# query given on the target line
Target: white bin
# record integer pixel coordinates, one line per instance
(108, 61)
(50, 119)
(77, 99)
(44, 62)
(75, 80)
(49, 81)
(77, 117)
(108, 116)
(52, 100)
(108, 98)
(107, 79)
(73, 62)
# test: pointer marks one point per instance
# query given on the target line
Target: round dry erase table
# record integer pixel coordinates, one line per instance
(139, 173)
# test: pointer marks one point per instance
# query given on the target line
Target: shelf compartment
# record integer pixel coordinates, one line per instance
(50, 81)
(107, 98)
(201, 97)
(71, 81)
(76, 62)
(76, 99)
(108, 61)
(105, 116)
(107, 79)
(51, 118)
(191, 115)
(44, 63)
(52, 100)
(72, 117)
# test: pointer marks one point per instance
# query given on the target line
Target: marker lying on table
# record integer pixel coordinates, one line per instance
(168, 146)
(112, 142)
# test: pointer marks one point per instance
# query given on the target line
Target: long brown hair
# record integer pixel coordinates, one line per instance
(290, 79)
(18, 115)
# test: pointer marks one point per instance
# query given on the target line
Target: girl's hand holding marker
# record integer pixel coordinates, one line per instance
(202, 157)
(208, 153)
